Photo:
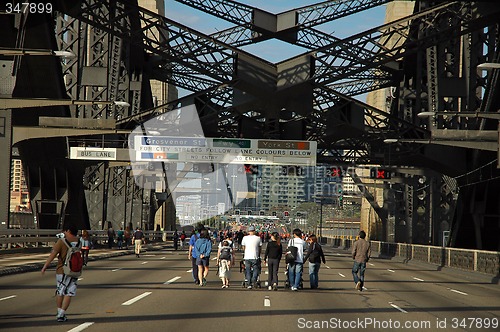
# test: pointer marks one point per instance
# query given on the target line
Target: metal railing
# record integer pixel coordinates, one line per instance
(25, 238)
(487, 262)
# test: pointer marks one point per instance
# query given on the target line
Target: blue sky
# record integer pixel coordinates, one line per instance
(274, 50)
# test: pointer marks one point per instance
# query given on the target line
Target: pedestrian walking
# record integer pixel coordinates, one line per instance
(65, 286)
(183, 239)
(137, 241)
(361, 252)
(119, 237)
(128, 237)
(176, 240)
(225, 260)
(251, 245)
(86, 244)
(272, 258)
(295, 268)
(193, 254)
(203, 247)
(315, 256)
(111, 235)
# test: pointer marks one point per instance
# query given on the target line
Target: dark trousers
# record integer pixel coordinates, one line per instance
(195, 268)
(273, 265)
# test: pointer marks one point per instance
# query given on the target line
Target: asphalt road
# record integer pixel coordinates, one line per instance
(156, 292)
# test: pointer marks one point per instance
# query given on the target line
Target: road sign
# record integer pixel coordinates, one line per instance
(225, 150)
(92, 153)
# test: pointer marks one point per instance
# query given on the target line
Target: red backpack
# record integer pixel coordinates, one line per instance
(73, 262)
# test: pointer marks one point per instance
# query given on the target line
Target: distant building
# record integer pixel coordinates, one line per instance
(19, 195)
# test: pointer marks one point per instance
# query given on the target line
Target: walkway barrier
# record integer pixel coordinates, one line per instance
(32, 238)
(487, 262)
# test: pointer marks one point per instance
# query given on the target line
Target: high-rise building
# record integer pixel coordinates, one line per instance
(19, 196)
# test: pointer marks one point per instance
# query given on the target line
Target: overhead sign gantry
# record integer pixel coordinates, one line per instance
(225, 150)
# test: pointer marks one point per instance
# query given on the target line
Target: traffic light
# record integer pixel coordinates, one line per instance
(379, 173)
(274, 213)
(251, 169)
(286, 214)
(335, 172)
(261, 212)
(237, 212)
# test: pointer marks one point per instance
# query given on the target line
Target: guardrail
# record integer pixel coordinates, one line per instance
(46, 237)
(487, 262)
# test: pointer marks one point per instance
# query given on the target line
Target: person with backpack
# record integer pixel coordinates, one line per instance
(315, 255)
(67, 248)
(225, 259)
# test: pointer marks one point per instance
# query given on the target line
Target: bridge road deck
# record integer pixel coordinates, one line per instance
(156, 292)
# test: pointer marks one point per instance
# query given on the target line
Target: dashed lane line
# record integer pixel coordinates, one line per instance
(118, 269)
(340, 274)
(8, 297)
(144, 263)
(457, 291)
(418, 279)
(163, 257)
(371, 264)
(171, 280)
(395, 306)
(189, 271)
(327, 266)
(137, 298)
(81, 327)
(391, 270)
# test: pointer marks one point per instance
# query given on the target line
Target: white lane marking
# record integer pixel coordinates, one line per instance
(371, 264)
(163, 257)
(338, 254)
(8, 297)
(81, 278)
(340, 274)
(395, 306)
(391, 270)
(418, 279)
(144, 263)
(118, 269)
(149, 255)
(137, 298)
(189, 271)
(327, 266)
(171, 280)
(457, 291)
(81, 327)
(267, 302)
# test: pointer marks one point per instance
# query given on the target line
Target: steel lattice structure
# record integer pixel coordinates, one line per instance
(428, 61)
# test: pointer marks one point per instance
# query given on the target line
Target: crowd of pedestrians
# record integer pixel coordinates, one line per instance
(306, 248)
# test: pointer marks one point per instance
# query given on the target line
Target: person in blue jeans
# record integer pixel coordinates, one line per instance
(295, 269)
(193, 254)
(315, 255)
(361, 252)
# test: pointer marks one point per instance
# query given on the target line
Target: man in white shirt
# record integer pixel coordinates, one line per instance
(251, 244)
(295, 269)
